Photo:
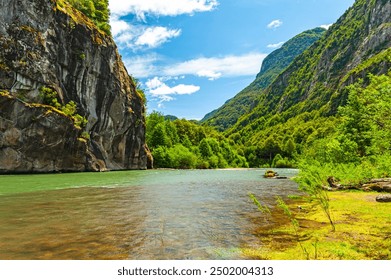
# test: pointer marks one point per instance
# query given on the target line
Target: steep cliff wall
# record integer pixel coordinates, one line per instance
(47, 43)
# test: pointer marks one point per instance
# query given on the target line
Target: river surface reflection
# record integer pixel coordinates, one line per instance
(143, 215)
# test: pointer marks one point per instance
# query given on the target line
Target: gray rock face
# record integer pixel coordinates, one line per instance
(44, 44)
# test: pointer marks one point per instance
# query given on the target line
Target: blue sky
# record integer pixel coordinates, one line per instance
(193, 55)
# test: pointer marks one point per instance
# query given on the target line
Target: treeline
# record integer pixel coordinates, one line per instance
(97, 10)
(185, 144)
(279, 141)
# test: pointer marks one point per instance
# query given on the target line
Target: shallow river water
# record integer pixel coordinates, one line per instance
(155, 214)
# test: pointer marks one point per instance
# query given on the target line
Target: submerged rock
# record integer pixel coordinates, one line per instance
(270, 174)
(43, 44)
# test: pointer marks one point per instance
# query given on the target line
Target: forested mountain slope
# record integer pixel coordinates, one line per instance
(228, 114)
(299, 105)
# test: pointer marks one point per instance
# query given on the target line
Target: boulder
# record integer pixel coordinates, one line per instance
(384, 198)
(270, 174)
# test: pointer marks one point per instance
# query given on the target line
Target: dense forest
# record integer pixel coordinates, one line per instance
(185, 144)
(276, 62)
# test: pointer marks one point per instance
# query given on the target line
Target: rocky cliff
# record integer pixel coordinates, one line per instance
(46, 44)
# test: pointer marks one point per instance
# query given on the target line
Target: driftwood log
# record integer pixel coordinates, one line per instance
(334, 185)
(378, 185)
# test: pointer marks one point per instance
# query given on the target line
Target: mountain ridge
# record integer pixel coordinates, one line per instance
(225, 116)
(317, 77)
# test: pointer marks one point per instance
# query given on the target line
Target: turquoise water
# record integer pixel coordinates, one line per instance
(154, 214)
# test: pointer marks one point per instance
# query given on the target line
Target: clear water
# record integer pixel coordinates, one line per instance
(156, 214)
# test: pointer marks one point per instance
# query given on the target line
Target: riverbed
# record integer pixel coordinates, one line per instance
(139, 215)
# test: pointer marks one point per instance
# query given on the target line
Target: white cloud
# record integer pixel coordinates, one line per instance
(142, 66)
(140, 36)
(156, 36)
(326, 26)
(275, 46)
(216, 67)
(211, 75)
(154, 83)
(211, 68)
(137, 37)
(119, 26)
(160, 7)
(161, 91)
(274, 24)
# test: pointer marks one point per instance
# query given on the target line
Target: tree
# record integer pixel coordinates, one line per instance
(159, 137)
(97, 10)
(271, 147)
(366, 116)
(289, 147)
(205, 149)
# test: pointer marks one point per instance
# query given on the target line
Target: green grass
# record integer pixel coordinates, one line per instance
(363, 231)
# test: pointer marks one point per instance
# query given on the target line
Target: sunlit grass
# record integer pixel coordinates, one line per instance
(363, 231)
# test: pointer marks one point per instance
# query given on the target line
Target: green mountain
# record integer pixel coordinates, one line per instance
(272, 66)
(300, 105)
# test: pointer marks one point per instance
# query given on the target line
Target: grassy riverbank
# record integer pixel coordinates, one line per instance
(363, 231)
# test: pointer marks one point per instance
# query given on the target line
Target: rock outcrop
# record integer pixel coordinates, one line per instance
(47, 43)
(384, 198)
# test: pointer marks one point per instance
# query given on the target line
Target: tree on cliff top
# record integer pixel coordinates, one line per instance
(97, 10)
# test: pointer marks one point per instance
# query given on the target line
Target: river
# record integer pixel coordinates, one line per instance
(142, 215)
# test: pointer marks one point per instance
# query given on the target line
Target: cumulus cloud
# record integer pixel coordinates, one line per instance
(160, 8)
(326, 26)
(119, 26)
(142, 66)
(275, 46)
(274, 24)
(153, 37)
(139, 36)
(161, 91)
(211, 75)
(211, 68)
(216, 67)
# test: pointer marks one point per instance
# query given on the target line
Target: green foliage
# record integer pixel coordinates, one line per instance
(360, 147)
(367, 118)
(261, 208)
(179, 143)
(177, 156)
(273, 65)
(298, 110)
(96, 10)
(85, 135)
(139, 90)
(49, 97)
(294, 223)
(205, 149)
